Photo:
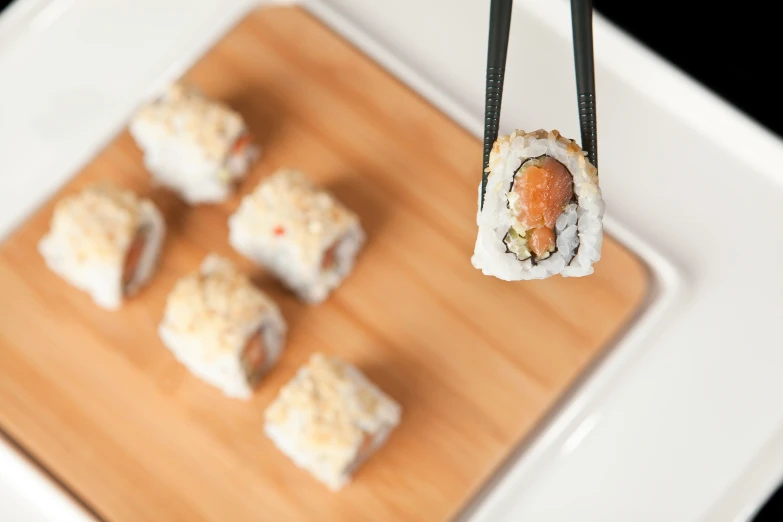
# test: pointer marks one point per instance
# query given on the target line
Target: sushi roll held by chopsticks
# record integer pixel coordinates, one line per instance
(198, 147)
(105, 241)
(543, 209)
(299, 232)
(330, 418)
(222, 328)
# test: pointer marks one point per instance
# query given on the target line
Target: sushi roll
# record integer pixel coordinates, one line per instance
(543, 209)
(329, 419)
(105, 241)
(299, 232)
(222, 328)
(198, 147)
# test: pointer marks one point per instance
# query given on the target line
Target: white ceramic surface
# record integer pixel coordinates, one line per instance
(681, 421)
(27, 495)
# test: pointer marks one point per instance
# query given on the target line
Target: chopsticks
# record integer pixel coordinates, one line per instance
(499, 24)
(582, 27)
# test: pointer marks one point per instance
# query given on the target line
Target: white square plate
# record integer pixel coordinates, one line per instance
(682, 420)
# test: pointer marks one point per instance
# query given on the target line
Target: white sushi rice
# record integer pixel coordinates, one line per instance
(321, 418)
(578, 231)
(209, 318)
(89, 239)
(187, 142)
(287, 224)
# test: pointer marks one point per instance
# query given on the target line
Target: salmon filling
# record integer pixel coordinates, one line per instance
(254, 358)
(541, 190)
(328, 261)
(235, 159)
(132, 258)
(240, 145)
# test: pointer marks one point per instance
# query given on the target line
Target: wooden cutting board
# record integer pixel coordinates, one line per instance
(95, 398)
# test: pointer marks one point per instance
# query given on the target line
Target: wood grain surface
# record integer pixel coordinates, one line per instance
(476, 362)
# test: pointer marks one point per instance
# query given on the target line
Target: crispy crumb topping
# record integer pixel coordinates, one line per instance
(328, 409)
(287, 206)
(217, 304)
(185, 113)
(571, 147)
(100, 222)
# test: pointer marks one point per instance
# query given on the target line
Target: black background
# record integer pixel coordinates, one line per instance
(733, 49)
